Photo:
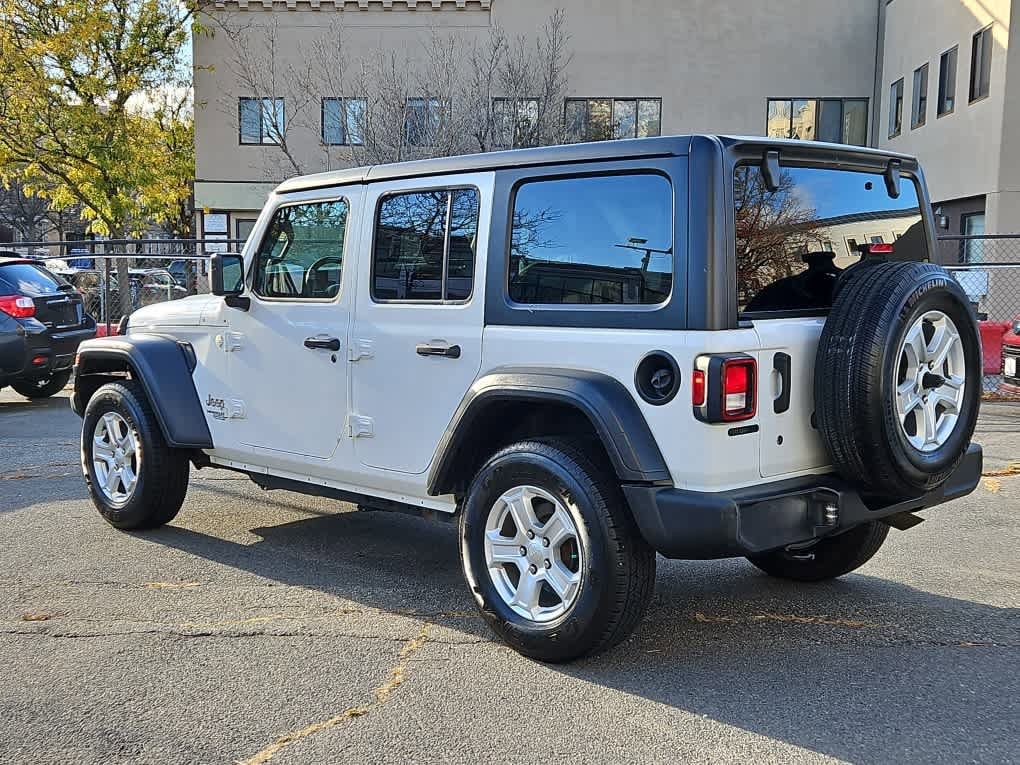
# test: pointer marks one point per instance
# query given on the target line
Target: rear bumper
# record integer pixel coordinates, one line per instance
(54, 349)
(701, 525)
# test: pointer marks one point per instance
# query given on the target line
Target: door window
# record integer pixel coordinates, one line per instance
(425, 246)
(301, 254)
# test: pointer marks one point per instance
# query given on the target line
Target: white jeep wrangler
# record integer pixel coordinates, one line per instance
(702, 346)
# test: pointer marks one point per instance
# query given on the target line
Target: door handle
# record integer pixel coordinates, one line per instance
(781, 363)
(438, 349)
(324, 342)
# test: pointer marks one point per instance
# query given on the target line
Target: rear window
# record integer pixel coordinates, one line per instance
(599, 240)
(28, 279)
(793, 243)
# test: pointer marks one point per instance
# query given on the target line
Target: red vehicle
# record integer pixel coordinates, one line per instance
(1011, 360)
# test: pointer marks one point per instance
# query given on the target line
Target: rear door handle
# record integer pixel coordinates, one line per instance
(324, 342)
(781, 363)
(438, 349)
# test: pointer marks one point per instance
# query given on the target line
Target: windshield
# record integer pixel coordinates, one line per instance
(792, 243)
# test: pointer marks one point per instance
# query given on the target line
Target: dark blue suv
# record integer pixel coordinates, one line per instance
(42, 321)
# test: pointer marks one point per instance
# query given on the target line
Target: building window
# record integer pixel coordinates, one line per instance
(919, 102)
(947, 82)
(598, 240)
(973, 224)
(515, 122)
(343, 121)
(421, 121)
(838, 120)
(896, 108)
(980, 63)
(425, 246)
(604, 119)
(261, 120)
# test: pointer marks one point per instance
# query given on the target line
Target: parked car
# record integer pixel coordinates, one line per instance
(586, 354)
(42, 321)
(148, 286)
(1011, 360)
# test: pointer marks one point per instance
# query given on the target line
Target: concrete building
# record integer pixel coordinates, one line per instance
(819, 69)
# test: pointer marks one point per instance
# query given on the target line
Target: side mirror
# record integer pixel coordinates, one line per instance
(226, 274)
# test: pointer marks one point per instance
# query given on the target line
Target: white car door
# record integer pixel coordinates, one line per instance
(416, 339)
(288, 382)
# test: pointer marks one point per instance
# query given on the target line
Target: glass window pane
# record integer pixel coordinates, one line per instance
(600, 119)
(273, 124)
(778, 121)
(895, 108)
(460, 269)
(422, 120)
(785, 239)
(624, 119)
(332, 124)
(919, 99)
(830, 119)
(301, 254)
(410, 239)
(804, 119)
(980, 63)
(251, 121)
(973, 249)
(947, 82)
(29, 279)
(649, 118)
(576, 120)
(598, 240)
(855, 121)
(355, 120)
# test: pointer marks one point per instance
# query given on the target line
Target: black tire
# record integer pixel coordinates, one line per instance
(43, 387)
(828, 558)
(857, 369)
(618, 579)
(162, 472)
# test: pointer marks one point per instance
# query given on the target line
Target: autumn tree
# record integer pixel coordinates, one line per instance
(94, 108)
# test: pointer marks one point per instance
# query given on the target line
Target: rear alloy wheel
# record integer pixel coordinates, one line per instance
(44, 387)
(551, 553)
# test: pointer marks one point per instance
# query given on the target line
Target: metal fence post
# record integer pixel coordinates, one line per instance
(106, 293)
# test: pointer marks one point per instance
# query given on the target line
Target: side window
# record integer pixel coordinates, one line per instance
(301, 254)
(785, 256)
(425, 246)
(599, 240)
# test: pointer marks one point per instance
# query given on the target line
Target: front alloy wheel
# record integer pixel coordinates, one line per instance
(115, 458)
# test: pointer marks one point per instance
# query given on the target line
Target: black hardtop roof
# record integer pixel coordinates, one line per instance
(634, 148)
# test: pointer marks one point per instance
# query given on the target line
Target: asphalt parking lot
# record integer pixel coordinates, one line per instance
(272, 627)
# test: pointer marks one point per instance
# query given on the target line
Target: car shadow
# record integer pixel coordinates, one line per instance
(863, 669)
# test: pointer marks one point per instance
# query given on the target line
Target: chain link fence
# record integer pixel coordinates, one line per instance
(117, 277)
(988, 269)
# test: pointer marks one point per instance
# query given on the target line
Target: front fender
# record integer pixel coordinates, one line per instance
(163, 366)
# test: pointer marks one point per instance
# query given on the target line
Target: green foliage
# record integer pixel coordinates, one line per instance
(95, 108)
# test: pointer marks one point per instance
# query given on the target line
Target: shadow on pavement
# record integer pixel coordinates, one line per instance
(863, 669)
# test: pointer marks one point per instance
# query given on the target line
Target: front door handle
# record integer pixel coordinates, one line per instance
(781, 363)
(438, 348)
(323, 342)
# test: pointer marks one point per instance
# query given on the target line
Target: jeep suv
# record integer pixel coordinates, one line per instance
(700, 346)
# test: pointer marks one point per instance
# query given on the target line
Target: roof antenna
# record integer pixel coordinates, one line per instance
(770, 170)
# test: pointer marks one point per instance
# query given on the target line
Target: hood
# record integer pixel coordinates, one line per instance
(186, 312)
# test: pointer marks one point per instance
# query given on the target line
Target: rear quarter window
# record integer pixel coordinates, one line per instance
(793, 243)
(28, 279)
(594, 240)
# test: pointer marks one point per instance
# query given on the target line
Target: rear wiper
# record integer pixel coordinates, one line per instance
(66, 287)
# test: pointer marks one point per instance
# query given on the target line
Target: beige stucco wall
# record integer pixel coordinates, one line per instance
(960, 151)
(714, 63)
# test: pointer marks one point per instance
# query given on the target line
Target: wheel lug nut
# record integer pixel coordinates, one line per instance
(545, 541)
(548, 563)
(533, 568)
(531, 534)
(524, 551)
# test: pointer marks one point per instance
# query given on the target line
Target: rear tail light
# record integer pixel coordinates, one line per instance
(738, 389)
(39, 361)
(724, 387)
(698, 388)
(17, 306)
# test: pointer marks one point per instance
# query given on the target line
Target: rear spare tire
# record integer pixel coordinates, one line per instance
(898, 378)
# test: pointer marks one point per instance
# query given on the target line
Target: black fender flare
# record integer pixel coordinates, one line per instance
(604, 400)
(163, 365)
